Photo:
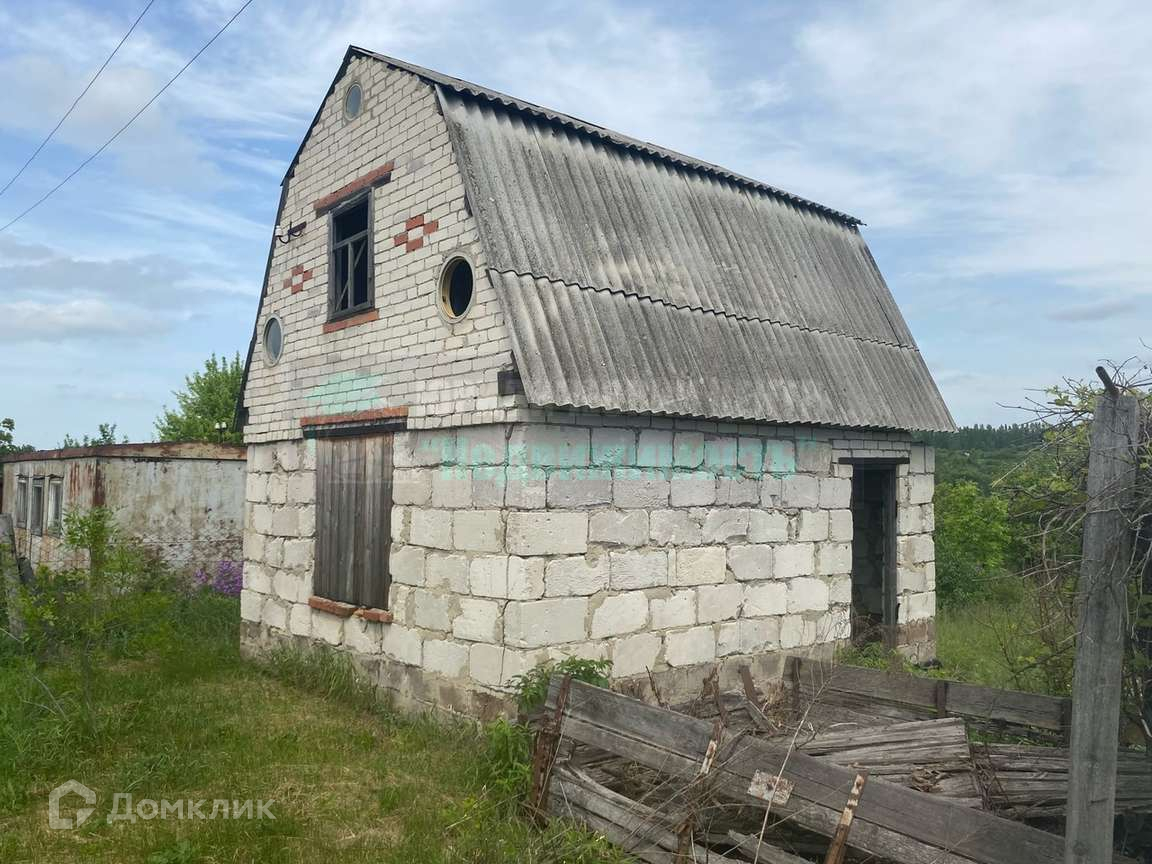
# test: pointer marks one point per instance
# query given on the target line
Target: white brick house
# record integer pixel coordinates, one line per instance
(521, 388)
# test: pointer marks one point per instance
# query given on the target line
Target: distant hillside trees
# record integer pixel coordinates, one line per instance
(208, 400)
(105, 434)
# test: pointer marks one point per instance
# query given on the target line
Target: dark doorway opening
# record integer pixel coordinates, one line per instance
(873, 555)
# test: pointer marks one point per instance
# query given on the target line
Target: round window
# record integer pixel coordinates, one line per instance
(353, 99)
(456, 289)
(273, 339)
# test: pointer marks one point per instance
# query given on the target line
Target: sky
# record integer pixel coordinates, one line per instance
(1000, 155)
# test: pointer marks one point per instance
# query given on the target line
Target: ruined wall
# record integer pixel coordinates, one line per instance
(657, 544)
(402, 353)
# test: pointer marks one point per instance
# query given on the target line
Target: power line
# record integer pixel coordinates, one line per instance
(76, 101)
(131, 120)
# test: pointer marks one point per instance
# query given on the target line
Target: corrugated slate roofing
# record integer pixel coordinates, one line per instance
(635, 279)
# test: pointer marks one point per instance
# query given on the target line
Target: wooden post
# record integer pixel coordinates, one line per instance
(1100, 637)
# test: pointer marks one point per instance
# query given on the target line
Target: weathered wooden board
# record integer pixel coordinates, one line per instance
(891, 822)
(900, 696)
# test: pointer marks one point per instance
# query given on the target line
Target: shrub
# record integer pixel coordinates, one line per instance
(531, 688)
(973, 542)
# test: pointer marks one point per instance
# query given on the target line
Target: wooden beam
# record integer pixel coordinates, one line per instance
(1100, 642)
(839, 844)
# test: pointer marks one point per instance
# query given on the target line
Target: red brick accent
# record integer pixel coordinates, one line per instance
(298, 269)
(429, 227)
(414, 222)
(380, 616)
(332, 607)
(351, 321)
(288, 282)
(295, 282)
(413, 245)
(400, 239)
(355, 416)
(297, 288)
(373, 178)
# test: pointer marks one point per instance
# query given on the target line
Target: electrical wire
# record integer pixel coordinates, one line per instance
(131, 120)
(76, 101)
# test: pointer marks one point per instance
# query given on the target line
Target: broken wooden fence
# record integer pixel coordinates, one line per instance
(891, 822)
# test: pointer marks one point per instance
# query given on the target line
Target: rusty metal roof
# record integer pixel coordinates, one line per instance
(145, 450)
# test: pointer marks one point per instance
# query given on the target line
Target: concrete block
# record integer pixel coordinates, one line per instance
(300, 620)
(751, 562)
(920, 488)
(478, 530)
(812, 525)
(814, 456)
(538, 445)
(412, 486)
(779, 457)
(719, 602)
(807, 595)
(688, 449)
(256, 488)
(678, 609)
(257, 578)
(297, 554)
(793, 559)
(640, 568)
(327, 628)
(928, 518)
(539, 623)
(792, 632)
(275, 614)
(579, 487)
(552, 533)
(635, 655)
(525, 487)
(302, 487)
(720, 454)
(579, 575)
(726, 524)
(431, 528)
(833, 559)
(525, 578)
(917, 607)
(406, 564)
(693, 489)
(674, 527)
(285, 521)
(424, 447)
(363, 637)
(478, 621)
(770, 491)
(253, 546)
(446, 570)
(767, 526)
(488, 483)
(288, 455)
(613, 447)
(444, 657)
(277, 489)
(482, 445)
(645, 488)
(486, 664)
(748, 636)
(736, 490)
(619, 614)
(618, 527)
(840, 589)
(765, 598)
(690, 647)
(451, 487)
(835, 493)
(750, 455)
(291, 587)
(700, 565)
(800, 490)
(432, 610)
(840, 525)
(403, 644)
(654, 449)
(306, 521)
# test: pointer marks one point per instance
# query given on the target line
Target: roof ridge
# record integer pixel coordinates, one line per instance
(720, 313)
(467, 88)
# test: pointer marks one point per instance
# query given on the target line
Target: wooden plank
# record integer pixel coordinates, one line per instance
(891, 822)
(839, 845)
(634, 827)
(1100, 642)
(764, 853)
(913, 696)
(326, 497)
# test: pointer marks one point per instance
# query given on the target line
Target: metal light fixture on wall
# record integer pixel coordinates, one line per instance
(286, 235)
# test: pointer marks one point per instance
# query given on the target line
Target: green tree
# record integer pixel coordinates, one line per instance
(105, 434)
(973, 541)
(209, 397)
(8, 438)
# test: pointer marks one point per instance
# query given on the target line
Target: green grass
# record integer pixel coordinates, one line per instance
(189, 719)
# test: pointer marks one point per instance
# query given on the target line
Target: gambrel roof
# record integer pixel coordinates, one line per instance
(637, 279)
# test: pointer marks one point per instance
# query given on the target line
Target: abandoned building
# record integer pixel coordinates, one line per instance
(521, 388)
(184, 501)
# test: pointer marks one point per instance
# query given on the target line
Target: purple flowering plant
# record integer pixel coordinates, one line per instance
(228, 578)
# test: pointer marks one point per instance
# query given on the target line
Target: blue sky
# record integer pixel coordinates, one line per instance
(1001, 154)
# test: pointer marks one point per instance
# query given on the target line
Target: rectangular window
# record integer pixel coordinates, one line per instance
(353, 519)
(21, 501)
(36, 511)
(55, 504)
(350, 273)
